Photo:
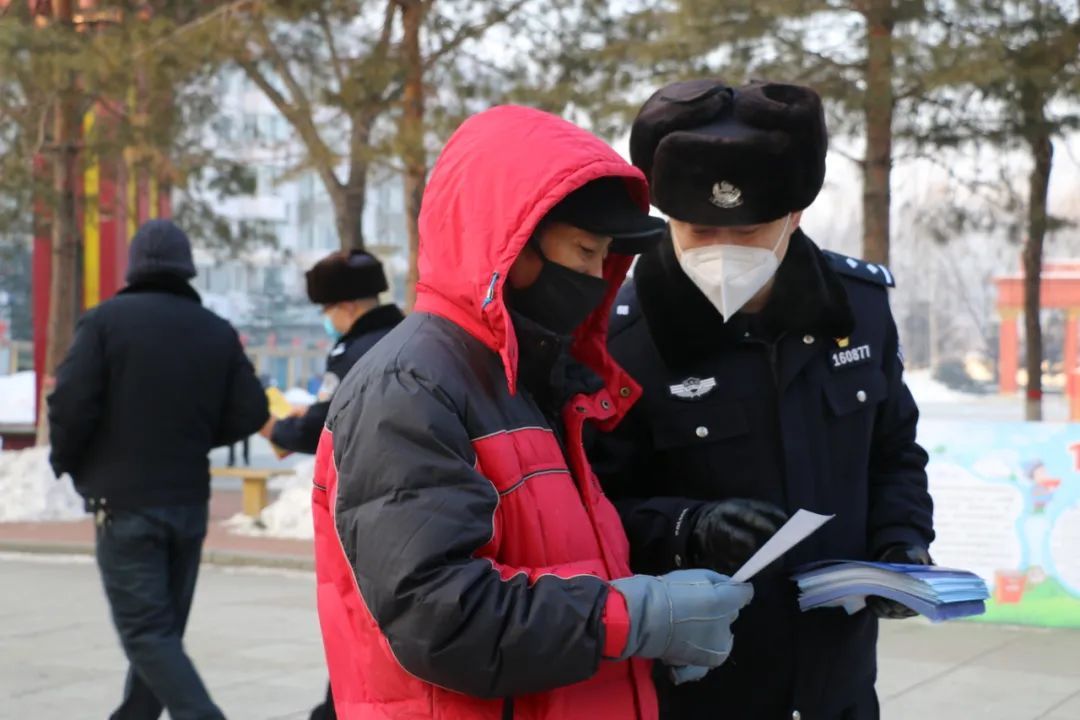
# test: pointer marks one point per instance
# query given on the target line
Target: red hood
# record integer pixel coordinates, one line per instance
(497, 177)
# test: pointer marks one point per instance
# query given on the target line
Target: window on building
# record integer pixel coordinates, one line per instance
(251, 126)
(264, 180)
(216, 280)
(226, 129)
(266, 127)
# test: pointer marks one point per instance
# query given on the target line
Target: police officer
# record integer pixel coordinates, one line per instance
(347, 286)
(772, 380)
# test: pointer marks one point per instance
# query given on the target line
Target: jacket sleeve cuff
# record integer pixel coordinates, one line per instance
(284, 434)
(681, 532)
(616, 619)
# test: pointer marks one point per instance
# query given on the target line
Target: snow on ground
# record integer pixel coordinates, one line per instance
(17, 398)
(299, 397)
(287, 517)
(29, 491)
(926, 389)
(290, 515)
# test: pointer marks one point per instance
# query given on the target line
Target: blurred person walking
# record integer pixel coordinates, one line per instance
(153, 381)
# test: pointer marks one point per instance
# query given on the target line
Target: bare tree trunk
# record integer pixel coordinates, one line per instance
(63, 282)
(1042, 151)
(349, 204)
(351, 198)
(412, 136)
(878, 107)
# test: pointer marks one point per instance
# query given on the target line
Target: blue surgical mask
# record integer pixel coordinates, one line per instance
(330, 329)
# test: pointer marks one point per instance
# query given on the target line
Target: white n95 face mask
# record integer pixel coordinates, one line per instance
(729, 275)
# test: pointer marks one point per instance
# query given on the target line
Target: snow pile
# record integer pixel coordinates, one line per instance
(287, 517)
(299, 397)
(17, 398)
(926, 389)
(29, 491)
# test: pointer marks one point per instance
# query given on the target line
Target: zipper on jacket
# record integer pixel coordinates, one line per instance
(772, 352)
(490, 296)
(774, 365)
(774, 361)
(508, 709)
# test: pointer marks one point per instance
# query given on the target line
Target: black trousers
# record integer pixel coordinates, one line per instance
(149, 562)
(326, 710)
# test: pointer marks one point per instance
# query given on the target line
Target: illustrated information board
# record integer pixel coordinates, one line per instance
(1007, 506)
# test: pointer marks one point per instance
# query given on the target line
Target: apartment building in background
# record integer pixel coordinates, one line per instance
(262, 291)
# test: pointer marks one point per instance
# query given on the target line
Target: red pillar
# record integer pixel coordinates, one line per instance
(164, 209)
(1008, 351)
(1069, 354)
(113, 248)
(1071, 337)
(142, 194)
(40, 273)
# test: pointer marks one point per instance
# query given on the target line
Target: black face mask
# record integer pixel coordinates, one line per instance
(560, 299)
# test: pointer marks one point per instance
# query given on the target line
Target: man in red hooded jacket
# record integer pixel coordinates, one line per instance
(468, 563)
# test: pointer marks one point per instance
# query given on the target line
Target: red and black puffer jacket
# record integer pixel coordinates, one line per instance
(462, 556)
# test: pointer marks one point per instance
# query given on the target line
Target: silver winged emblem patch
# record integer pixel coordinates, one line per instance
(725, 195)
(693, 388)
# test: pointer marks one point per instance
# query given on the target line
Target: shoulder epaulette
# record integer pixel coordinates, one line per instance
(859, 269)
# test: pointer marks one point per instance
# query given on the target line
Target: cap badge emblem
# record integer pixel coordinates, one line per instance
(726, 196)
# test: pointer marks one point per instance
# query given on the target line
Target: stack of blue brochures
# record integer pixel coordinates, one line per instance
(935, 592)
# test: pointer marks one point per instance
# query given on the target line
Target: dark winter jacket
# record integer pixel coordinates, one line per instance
(301, 434)
(802, 405)
(152, 382)
(462, 554)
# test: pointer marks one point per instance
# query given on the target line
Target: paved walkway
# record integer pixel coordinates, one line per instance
(254, 636)
(972, 671)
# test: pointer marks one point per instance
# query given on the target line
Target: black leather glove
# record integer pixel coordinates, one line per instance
(726, 534)
(905, 554)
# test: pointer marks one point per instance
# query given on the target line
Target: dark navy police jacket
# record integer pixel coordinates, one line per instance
(802, 405)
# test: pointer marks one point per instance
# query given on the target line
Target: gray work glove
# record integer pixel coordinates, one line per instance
(683, 618)
(687, 673)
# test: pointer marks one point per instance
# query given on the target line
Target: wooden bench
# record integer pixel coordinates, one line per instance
(254, 493)
(17, 436)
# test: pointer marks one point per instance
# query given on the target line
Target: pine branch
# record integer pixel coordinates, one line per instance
(471, 32)
(796, 46)
(331, 46)
(222, 12)
(300, 100)
(383, 45)
(379, 55)
(855, 159)
(301, 120)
